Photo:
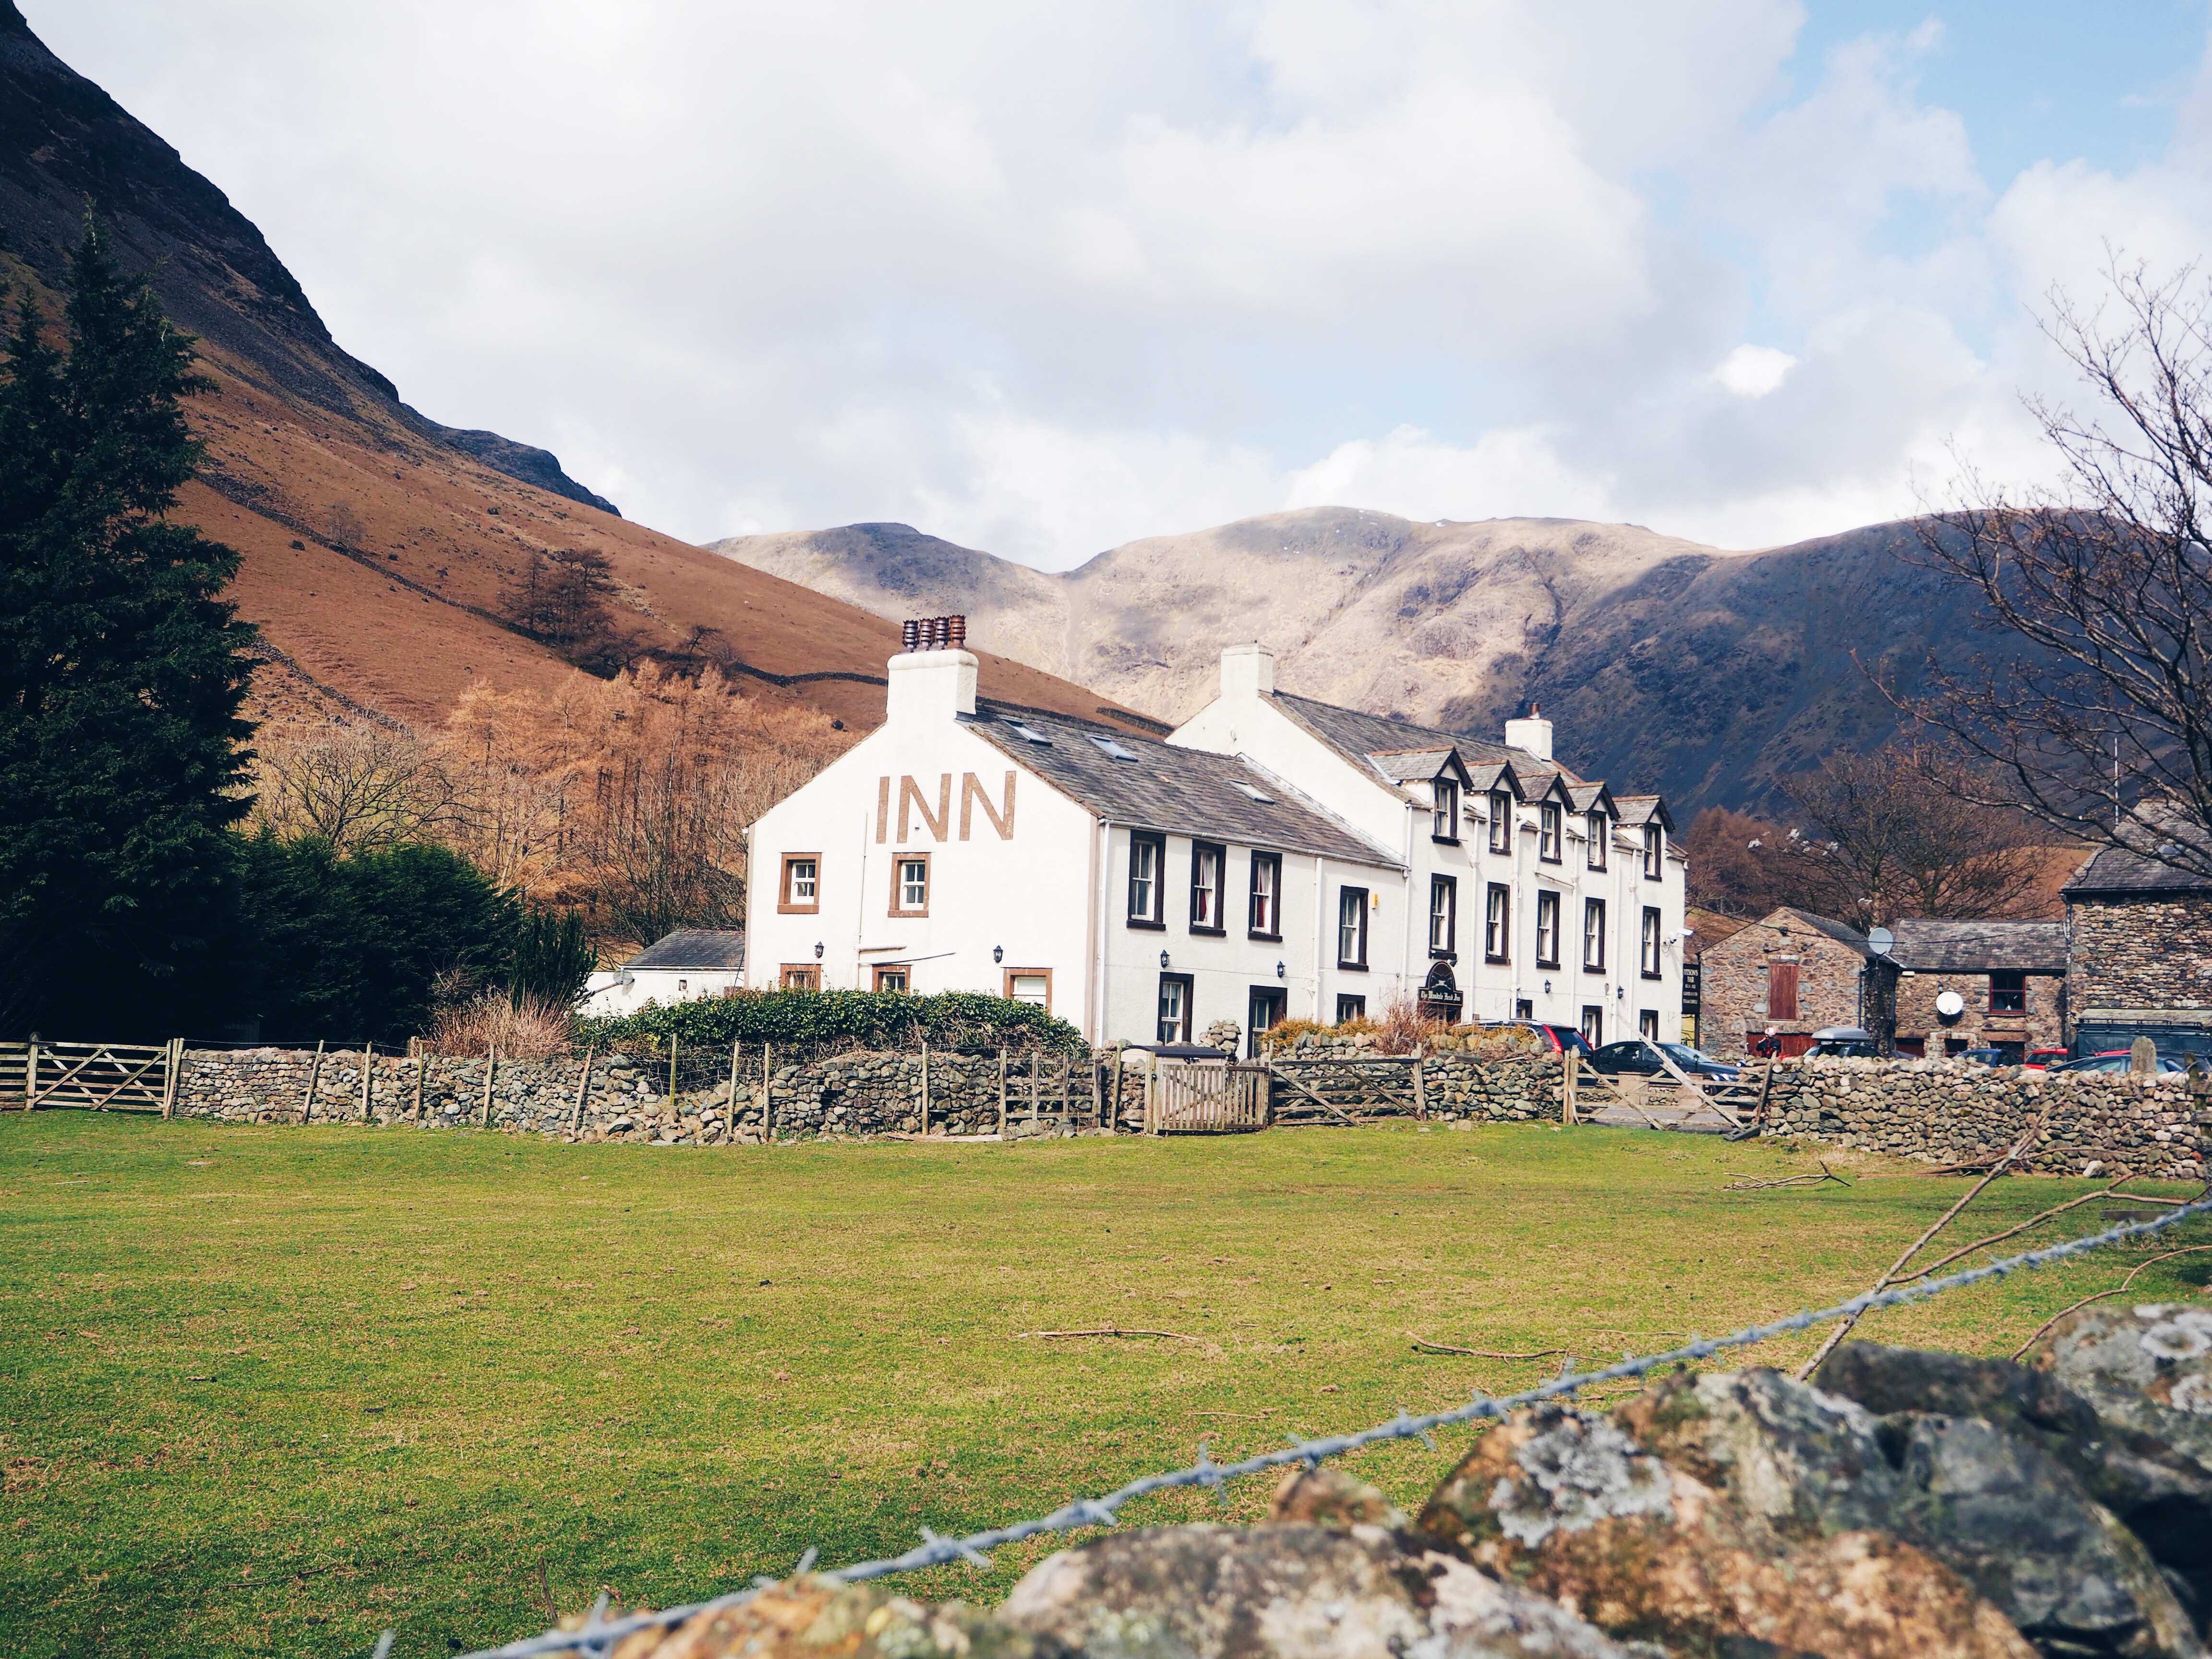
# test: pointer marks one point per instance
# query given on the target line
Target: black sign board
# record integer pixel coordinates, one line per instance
(1694, 987)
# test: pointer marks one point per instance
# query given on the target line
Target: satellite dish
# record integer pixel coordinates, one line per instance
(1881, 941)
(1950, 1004)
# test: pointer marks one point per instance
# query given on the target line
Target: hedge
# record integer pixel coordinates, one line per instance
(966, 1021)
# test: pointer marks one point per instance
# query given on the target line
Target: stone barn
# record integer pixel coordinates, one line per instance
(1789, 975)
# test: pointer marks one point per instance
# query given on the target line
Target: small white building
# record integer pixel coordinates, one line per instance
(682, 966)
(1276, 857)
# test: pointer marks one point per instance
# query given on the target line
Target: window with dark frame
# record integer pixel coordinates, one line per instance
(1147, 854)
(1443, 915)
(910, 885)
(1444, 824)
(1266, 911)
(1348, 1007)
(1647, 1024)
(2008, 991)
(1594, 935)
(1601, 837)
(799, 977)
(802, 885)
(1173, 1024)
(890, 979)
(1547, 928)
(1594, 1024)
(1207, 861)
(1497, 922)
(1650, 943)
(1547, 832)
(1352, 928)
(1501, 821)
(1655, 851)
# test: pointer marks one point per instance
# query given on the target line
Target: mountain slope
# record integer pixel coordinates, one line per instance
(1664, 663)
(382, 550)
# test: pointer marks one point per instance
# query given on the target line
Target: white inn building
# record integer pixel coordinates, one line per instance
(1274, 858)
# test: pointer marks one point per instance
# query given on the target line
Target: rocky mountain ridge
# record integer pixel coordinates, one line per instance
(1665, 665)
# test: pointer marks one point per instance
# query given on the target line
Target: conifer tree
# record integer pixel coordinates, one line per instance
(121, 670)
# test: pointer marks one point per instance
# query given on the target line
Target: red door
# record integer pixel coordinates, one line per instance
(1782, 990)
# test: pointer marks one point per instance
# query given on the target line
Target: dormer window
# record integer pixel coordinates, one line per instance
(1655, 846)
(1601, 832)
(1501, 821)
(1547, 832)
(1446, 819)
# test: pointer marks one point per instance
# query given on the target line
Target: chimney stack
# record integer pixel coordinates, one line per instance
(1246, 671)
(1533, 734)
(933, 677)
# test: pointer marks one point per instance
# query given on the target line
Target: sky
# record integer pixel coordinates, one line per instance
(1045, 279)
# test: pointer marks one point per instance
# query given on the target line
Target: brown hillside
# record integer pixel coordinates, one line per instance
(411, 609)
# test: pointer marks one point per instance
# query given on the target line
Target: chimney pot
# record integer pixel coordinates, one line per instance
(909, 635)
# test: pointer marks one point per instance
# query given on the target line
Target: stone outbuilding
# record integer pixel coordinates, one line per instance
(2139, 954)
(1963, 985)
(1789, 975)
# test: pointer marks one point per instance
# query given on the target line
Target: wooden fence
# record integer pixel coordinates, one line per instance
(100, 1076)
(1207, 1097)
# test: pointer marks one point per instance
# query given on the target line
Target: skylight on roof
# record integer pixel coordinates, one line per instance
(1107, 745)
(1032, 734)
(1264, 799)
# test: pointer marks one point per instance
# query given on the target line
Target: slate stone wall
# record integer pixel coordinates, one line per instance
(2139, 953)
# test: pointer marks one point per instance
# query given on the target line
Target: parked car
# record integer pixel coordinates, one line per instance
(1640, 1056)
(2039, 1058)
(1984, 1056)
(1842, 1043)
(2111, 1062)
(1561, 1038)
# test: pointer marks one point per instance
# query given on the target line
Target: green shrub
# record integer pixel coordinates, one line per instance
(967, 1021)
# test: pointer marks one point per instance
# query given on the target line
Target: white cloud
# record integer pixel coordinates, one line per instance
(1043, 279)
(1752, 371)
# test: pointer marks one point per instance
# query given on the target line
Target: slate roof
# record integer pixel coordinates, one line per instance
(1842, 932)
(2114, 872)
(1181, 792)
(1411, 765)
(1357, 736)
(1978, 947)
(705, 948)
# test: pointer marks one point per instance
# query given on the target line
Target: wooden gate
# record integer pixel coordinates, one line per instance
(1204, 1098)
(104, 1077)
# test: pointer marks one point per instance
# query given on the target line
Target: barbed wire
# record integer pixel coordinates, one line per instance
(599, 1634)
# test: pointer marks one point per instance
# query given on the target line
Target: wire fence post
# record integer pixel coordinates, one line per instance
(421, 1064)
(925, 1086)
(729, 1101)
(491, 1070)
(31, 1075)
(766, 1095)
(672, 1046)
(367, 1060)
(584, 1087)
(1567, 1079)
(176, 1076)
(1420, 1091)
(1002, 1094)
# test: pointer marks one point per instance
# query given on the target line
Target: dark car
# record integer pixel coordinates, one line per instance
(1640, 1057)
(1559, 1039)
(2112, 1062)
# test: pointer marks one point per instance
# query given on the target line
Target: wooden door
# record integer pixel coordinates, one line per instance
(1782, 990)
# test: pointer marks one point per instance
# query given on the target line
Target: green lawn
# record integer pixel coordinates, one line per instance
(269, 1390)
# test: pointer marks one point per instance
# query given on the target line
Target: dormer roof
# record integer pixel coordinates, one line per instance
(1419, 765)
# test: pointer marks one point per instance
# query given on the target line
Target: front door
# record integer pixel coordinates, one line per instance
(1266, 1011)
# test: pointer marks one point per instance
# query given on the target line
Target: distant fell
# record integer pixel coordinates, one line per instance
(1665, 665)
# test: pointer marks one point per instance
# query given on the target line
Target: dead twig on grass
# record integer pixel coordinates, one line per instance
(1106, 1330)
(1747, 1183)
(1844, 1326)
(2111, 1191)
(2117, 1290)
(1422, 1343)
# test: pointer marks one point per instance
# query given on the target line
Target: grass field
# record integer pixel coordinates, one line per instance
(273, 1390)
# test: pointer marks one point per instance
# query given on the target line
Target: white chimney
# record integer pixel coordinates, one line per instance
(1532, 734)
(1246, 671)
(935, 682)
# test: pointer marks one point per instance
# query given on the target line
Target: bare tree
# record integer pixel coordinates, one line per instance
(354, 785)
(1903, 834)
(345, 527)
(2098, 723)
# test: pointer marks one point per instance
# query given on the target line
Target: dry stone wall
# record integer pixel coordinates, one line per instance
(627, 1097)
(1935, 1111)
(1950, 1112)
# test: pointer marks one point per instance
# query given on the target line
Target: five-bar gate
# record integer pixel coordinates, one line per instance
(101, 1077)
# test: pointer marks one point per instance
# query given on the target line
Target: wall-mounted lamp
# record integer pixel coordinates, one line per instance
(1279, 970)
(998, 953)
(817, 950)
(1622, 993)
(1547, 987)
(1163, 962)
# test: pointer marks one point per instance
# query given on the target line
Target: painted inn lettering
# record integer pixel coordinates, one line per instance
(914, 803)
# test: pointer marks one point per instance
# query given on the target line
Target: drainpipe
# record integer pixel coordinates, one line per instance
(1321, 906)
(1102, 859)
